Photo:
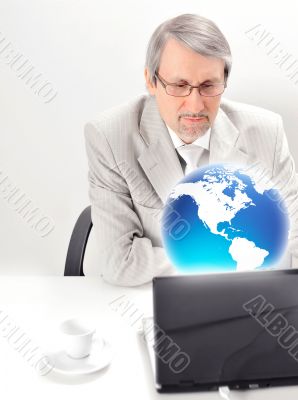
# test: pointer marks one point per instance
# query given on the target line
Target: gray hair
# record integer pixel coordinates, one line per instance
(196, 32)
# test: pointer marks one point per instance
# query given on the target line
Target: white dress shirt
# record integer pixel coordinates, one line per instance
(203, 142)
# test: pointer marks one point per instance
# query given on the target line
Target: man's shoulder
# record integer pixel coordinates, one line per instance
(242, 113)
(126, 114)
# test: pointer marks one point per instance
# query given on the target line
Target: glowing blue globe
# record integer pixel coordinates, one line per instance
(218, 218)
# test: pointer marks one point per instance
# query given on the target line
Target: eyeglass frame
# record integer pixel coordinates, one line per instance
(164, 84)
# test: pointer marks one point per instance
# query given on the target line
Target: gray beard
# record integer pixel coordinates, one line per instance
(188, 134)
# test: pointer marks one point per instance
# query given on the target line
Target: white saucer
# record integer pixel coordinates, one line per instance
(99, 358)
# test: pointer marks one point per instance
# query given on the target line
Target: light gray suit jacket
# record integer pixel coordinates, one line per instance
(133, 166)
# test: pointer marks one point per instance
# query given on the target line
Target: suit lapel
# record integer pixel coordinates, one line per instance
(159, 160)
(224, 145)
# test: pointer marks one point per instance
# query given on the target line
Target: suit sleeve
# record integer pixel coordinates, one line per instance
(127, 258)
(286, 181)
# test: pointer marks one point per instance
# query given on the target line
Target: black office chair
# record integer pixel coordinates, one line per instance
(77, 245)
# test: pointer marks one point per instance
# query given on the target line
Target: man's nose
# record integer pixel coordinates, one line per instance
(194, 102)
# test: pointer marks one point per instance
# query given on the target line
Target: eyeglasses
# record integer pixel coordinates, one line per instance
(183, 90)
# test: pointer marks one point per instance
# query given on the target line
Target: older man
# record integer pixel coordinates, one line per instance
(138, 151)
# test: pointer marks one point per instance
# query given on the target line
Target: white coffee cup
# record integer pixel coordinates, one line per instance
(77, 337)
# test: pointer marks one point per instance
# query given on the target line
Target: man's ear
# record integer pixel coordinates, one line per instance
(150, 85)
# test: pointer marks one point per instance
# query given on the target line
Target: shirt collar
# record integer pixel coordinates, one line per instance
(202, 141)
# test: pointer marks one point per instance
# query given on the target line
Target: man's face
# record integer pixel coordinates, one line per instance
(191, 116)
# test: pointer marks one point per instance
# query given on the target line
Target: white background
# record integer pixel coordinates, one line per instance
(92, 51)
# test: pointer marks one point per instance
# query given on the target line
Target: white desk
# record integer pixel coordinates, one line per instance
(38, 304)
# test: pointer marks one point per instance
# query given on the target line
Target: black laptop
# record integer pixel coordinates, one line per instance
(230, 329)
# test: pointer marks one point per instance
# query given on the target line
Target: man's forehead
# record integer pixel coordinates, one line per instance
(194, 77)
(181, 63)
(203, 77)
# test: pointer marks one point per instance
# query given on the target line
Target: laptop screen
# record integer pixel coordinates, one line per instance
(226, 329)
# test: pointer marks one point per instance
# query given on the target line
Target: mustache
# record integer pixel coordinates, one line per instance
(193, 115)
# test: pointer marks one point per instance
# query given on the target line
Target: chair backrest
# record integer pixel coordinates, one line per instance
(77, 245)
